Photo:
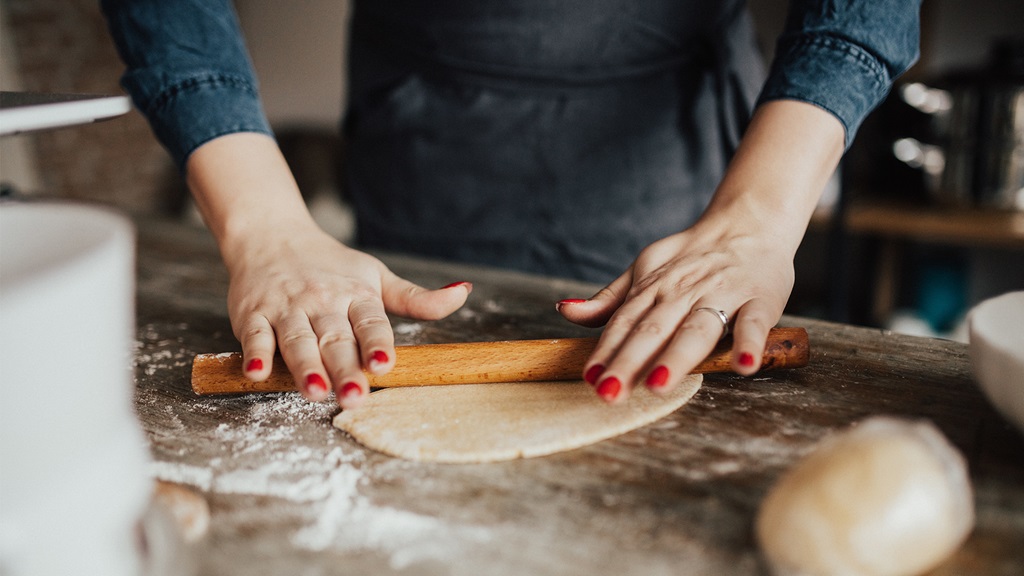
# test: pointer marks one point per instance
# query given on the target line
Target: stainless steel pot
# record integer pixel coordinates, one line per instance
(975, 155)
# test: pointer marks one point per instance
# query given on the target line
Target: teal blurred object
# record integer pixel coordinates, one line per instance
(942, 293)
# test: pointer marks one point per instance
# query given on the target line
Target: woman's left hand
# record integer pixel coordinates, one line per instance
(662, 316)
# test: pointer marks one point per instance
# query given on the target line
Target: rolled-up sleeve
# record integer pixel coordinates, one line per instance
(188, 71)
(843, 55)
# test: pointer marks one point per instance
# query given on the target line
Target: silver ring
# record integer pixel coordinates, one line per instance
(721, 315)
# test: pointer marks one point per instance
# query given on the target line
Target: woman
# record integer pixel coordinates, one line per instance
(577, 138)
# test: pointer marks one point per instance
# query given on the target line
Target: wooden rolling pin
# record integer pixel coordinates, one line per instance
(483, 362)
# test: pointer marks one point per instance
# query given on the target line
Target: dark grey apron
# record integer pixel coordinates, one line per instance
(553, 136)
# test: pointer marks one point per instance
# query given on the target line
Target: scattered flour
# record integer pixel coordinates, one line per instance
(162, 359)
(492, 307)
(348, 520)
(165, 353)
(263, 458)
(408, 329)
(201, 478)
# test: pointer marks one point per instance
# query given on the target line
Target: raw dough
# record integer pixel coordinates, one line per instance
(189, 510)
(887, 497)
(493, 422)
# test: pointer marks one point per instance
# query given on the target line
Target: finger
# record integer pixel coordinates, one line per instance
(753, 322)
(695, 338)
(258, 345)
(301, 353)
(611, 369)
(648, 337)
(339, 352)
(410, 300)
(372, 329)
(597, 310)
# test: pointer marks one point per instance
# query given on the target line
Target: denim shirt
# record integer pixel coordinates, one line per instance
(189, 73)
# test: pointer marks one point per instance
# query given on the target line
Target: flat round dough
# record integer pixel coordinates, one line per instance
(494, 422)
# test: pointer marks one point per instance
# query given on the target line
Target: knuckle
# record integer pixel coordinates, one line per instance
(757, 322)
(370, 322)
(336, 338)
(644, 283)
(621, 323)
(648, 327)
(410, 292)
(604, 293)
(256, 333)
(318, 292)
(703, 330)
(250, 306)
(297, 338)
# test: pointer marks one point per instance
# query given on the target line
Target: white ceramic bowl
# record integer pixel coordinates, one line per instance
(997, 353)
(73, 460)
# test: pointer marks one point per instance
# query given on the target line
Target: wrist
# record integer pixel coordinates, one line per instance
(758, 212)
(776, 178)
(245, 192)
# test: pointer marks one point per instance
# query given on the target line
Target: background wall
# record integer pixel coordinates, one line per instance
(17, 154)
(298, 49)
(63, 46)
(959, 33)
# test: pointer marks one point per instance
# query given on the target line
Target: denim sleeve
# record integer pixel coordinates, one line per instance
(843, 55)
(187, 70)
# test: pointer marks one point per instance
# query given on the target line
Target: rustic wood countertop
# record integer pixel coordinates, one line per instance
(289, 494)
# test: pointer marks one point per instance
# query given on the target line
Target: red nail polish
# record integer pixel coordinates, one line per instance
(609, 388)
(560, 303)
(746, 359)
(315, 383)
(255, 365)
(379, 357)
(658, 377)
(454, 284)
(351, 390)
(593, 374)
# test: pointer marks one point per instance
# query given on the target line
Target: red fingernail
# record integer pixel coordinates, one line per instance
(609, 388)
(351, 390)
(315, 382)
(560, 303)
(255, 365)
(594, 373)
(658, 377)
(454, 284)
(746, 359)
(379, 357)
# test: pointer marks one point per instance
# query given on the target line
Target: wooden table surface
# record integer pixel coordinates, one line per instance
(289, 494)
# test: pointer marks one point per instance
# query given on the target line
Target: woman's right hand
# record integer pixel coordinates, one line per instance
(295, 289)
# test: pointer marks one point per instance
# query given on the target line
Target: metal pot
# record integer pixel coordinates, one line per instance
(975, 154)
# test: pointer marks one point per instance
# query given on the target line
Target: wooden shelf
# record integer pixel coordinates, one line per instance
(896, 224)
(957, 226)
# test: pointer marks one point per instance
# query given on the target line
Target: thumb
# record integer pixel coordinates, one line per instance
(599, 308)
(410, 300)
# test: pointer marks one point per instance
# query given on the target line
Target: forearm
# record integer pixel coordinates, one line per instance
(245, 191)
(843, 55)
(187, 70)
(775, 179)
